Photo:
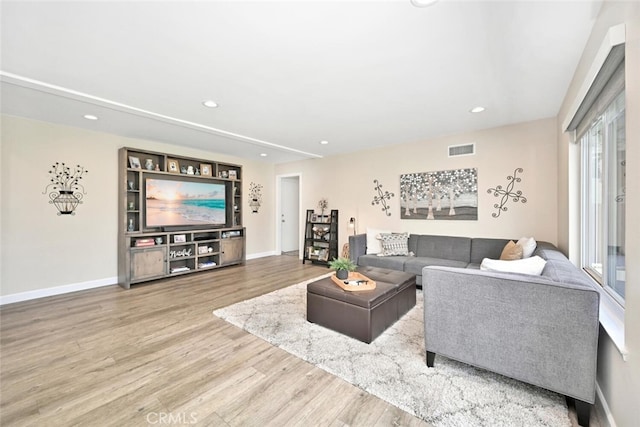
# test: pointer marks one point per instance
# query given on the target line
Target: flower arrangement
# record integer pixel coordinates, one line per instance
(255, 192)
(323, 204)
(66, 179)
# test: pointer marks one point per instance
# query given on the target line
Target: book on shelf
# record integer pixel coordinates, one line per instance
(179, 269)
(144, 242)
(206, 264)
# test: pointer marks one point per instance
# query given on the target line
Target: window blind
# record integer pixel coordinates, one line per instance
(609, 82)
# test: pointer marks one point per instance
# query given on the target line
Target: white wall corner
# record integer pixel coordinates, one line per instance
(602, 409)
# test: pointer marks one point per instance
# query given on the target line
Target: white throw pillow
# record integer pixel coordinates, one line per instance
(528, 246)
(374, 245)
(532, 265)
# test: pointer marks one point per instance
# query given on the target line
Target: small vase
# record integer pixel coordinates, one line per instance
(342, 274)
(149, 164)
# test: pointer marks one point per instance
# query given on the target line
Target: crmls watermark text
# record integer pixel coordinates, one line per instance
(170, 418)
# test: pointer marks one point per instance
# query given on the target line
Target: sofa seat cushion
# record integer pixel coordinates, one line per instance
(390, 262)
(416, 264)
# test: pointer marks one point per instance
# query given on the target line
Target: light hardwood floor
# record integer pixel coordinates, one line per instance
(156, 355)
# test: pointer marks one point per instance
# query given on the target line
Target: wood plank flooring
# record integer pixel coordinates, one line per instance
(156, 355)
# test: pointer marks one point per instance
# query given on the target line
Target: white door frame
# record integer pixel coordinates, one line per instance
(278, 218)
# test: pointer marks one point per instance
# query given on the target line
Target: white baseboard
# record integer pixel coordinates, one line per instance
(602, 408)
(261, 255)
(57, 290)
(65, 289)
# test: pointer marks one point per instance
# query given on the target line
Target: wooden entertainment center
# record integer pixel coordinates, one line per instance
(161, 236)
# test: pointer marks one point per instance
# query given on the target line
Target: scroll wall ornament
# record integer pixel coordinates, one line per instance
(507, 193)
(382, 197)
(65, 190)
(255, 197)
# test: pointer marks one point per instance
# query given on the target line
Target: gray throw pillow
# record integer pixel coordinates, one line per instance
(394, 244)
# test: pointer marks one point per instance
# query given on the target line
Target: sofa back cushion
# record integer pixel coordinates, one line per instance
(448, 247)
(486, 248)
(559, 268)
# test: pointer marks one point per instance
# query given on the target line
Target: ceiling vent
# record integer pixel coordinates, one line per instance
(462, 150)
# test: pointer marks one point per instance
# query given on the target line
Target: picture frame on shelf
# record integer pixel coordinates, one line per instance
(134, 162)
(205, 169)
(314, 218)
(233, 174)
(203, 250)
(173, 166)
(180, 238)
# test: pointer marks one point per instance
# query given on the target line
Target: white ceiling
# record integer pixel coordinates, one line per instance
(287, 75)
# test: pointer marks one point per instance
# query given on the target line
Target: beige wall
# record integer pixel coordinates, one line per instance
(43, 250)
(619, 380)
(347, 182)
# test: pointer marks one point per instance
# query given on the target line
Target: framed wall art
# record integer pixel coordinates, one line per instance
(173, 166)
(440, 195)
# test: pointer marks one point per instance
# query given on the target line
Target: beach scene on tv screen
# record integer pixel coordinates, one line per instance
(173, 203)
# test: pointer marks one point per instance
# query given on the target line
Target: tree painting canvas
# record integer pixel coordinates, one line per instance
(445, 195)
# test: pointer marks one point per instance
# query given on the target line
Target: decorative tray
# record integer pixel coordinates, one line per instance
(355, 282)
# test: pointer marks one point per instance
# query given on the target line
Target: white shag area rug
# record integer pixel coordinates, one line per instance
(393, 366)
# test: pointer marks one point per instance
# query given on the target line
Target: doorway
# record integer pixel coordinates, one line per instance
(288, 220)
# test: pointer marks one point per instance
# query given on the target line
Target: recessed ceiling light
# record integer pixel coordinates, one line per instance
(323, 142)
(423, 3)
(263, 154)
(90, 117)
(477, 110)
(209, 103)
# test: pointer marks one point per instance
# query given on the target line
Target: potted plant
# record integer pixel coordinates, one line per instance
(342, 266)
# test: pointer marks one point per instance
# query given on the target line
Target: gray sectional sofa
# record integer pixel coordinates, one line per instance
(542, 330)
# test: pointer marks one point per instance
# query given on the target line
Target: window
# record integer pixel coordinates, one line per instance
(603, 188)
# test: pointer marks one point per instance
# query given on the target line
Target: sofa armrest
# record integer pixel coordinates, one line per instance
(525, 327)
(357, 246)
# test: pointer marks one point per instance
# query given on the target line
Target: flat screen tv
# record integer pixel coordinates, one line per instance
(179, 202)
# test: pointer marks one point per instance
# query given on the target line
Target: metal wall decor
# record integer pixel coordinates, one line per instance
(448, 195)
(255, 197)
(323, 204)
(65, 190)
(507, 193)
(382, 197)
